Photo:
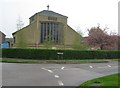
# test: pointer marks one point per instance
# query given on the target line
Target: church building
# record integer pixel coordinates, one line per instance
(45, 26)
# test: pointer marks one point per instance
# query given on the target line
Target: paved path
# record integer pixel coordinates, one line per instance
(54, 74)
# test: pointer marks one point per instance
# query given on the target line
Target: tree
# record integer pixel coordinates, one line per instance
(98, 38)
(20, 23)
(115, 45)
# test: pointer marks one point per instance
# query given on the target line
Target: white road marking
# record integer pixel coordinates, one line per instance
(56, 76)
(60, 83)
(44, 69)
(47, 70)
(72, 69)
(62, 67)
(109, 65)
(91, 66)
(50, 71)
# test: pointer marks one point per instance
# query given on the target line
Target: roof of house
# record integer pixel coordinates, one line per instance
(50, 13)
(2, 33)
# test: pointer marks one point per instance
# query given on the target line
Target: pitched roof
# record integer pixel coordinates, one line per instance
(2, 33)
(50, 13)
(46, 13)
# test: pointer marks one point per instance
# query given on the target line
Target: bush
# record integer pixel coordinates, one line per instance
(48, 54)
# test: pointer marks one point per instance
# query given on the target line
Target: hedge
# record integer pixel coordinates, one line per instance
(48, 54)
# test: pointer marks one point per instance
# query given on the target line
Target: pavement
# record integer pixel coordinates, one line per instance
(16, 74)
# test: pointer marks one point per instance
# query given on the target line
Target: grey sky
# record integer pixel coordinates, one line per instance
(82, 14)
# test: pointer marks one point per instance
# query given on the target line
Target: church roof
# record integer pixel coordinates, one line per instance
(50, 13)
(46, 13)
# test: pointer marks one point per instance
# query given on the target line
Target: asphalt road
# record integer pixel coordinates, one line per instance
(14, 74)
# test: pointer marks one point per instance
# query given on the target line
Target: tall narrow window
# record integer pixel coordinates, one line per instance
(50, 30)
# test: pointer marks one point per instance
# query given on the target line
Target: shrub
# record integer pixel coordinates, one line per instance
(48, 54)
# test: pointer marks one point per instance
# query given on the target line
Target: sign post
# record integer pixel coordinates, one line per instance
(60, 55)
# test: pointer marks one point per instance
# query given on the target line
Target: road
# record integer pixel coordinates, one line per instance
(14, 74)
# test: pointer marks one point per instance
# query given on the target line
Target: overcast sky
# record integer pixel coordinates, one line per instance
(82, 14)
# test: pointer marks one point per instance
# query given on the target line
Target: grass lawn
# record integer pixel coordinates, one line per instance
(110, 80)
(116, 60)
(10, 60)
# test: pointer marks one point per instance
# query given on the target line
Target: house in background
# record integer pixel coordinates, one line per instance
(2, 37)
(3, 42)
(46, 26)
(10, 41)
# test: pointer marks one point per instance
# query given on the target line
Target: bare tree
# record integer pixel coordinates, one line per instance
(20, 23)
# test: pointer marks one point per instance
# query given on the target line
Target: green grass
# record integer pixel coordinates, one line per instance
(116, 60)
(17, 61)
(110, 80)
(10, 60)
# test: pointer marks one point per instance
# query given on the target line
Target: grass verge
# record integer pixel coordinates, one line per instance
(18, 61)
(116, 60)
(10, 60)
(110, 80)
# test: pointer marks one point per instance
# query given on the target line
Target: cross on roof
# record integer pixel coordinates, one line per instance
(48, 7)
